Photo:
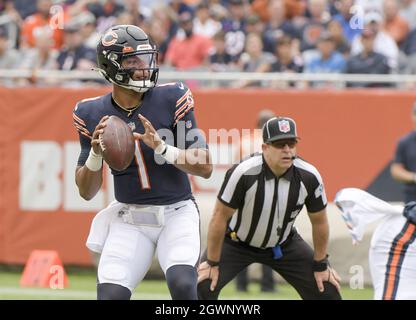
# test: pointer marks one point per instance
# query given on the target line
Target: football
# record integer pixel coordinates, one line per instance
(117, 143)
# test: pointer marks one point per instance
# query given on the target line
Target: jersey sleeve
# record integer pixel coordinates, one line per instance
(85, 136)
(184, 103)
(316, 199)
(233, 190)
(187, 133)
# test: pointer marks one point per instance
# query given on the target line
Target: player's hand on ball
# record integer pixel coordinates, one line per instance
(99, 129)
(205, 271)
(150, 136)
(329, 275)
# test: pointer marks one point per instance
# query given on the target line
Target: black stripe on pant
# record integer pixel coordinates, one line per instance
(295, 267)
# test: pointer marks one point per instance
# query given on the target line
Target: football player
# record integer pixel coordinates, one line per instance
(154, 210)
(392, 254)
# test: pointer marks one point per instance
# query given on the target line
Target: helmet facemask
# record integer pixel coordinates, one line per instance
(133, 63)
(138, 70)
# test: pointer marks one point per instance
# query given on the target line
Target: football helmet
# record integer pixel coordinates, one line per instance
(123, 50)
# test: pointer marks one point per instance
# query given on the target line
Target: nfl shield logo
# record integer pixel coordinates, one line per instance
(284, 126)
(188, 124)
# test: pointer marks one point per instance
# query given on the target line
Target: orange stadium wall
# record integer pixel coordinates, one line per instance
(349, 136)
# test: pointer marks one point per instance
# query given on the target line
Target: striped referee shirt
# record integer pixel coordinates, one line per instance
(268, 205)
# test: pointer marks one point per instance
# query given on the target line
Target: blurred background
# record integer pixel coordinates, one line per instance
(343, 69)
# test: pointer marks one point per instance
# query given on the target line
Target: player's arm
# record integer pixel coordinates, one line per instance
(397, 168)
(195, 161)
(399, 173)
(217, 227)
(320, 233)
(88, 176)
(320, 237)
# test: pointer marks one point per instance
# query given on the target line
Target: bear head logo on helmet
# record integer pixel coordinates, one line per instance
(126, 58)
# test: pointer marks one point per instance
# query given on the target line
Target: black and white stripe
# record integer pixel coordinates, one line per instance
(267, 204)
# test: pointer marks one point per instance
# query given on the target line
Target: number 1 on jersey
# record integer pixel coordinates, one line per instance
(141, 165)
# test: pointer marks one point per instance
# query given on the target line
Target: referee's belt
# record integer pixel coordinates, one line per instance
(232, 237)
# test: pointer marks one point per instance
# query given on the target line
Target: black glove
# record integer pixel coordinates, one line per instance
(410, 211)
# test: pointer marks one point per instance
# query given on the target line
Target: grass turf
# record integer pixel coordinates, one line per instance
(82, 287)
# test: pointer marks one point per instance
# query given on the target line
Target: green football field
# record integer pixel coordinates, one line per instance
(82, 287)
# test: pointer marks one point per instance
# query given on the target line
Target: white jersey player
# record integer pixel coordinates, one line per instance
(392, 256)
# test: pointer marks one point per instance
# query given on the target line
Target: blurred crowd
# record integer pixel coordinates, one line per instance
(313, 36)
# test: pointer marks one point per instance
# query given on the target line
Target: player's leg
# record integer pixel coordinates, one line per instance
(378, 258)
(234, 258)
(242, 280)
(178, 249)
(295, 266)
(267, 280)
(126, 258)
(393, 271)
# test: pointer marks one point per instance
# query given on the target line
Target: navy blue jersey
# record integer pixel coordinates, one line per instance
(169, 107)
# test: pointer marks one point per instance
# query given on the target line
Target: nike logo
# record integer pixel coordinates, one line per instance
(180, 207)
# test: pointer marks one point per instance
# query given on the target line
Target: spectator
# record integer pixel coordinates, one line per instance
(383, 43)
(11, 20)
(179, 7)
(38, 23)
(368, 61)
(370, 5)
(336, 32)
(287, 61)
(278, 25)
(9, 58)
(159, 36)
(314, 26)
(41, 57)
(105, 12)
(408, 12)
(292, 8)
(219, 59)
(168, 22)
(255, 25)
(203, 23)
(328, 59)
(234, 28)
(394, 25)
(409, 44)
(106, 8)
(187, 50)
(254, 59)
(349, 27)
(75, 55)
(87, 23)
(25, 8)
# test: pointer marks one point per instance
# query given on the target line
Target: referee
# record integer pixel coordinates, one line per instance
(267, 191)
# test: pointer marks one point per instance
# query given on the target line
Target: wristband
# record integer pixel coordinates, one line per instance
(212, 263)
(167, 152)
(321, 265)
(161, 148)
(170, 154)
(94, 162)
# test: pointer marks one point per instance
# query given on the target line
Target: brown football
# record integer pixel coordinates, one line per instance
(117, 143)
